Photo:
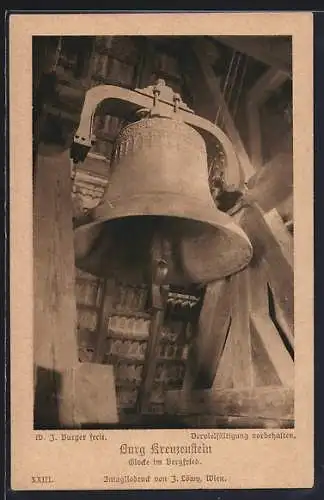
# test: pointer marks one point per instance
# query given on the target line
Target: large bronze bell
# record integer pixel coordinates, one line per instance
(159, 186)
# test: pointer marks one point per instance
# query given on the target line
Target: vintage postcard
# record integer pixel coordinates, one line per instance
(161, 251)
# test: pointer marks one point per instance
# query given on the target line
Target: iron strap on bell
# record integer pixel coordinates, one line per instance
(159, 184)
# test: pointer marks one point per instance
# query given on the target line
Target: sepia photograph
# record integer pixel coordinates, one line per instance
(161, 251)
(163, 232)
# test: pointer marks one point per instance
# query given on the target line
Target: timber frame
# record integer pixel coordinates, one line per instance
(246, 322)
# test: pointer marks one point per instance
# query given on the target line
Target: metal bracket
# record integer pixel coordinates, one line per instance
(161, 92)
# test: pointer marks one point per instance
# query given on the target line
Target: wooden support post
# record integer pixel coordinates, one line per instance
(206, 351)
(67, 393)
(264, 327)
(239, 335)
(270, 81)
(286, 210)
(283, 237)
(223, 377)
(273, 183)
(273, 243)
(235, 368)
(55, 342)
(282, 321)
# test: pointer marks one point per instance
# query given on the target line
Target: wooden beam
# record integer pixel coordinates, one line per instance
(273, 243)
(223, 377)
(264, 327)
(286, 210)
(271, 402)
(270, 81)
(67, 393)
(267, 83)
(282, 320)
(280, 264)
(275, 348)
(239, 335)
(208, 346)
(55, 341)
(235, 367)
(282, 235)
(281, 283)
(273, 183)
(270, 50)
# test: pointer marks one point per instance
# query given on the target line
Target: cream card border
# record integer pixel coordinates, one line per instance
(280, 463)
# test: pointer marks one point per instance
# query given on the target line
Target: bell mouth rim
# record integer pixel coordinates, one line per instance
(137, 207)
(228, 225)
(218, 220)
